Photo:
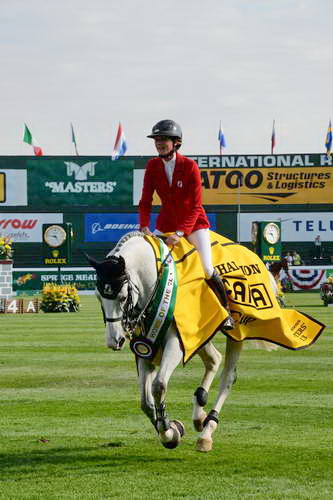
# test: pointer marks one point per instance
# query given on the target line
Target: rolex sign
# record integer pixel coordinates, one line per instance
(57, 244)
(266, 240)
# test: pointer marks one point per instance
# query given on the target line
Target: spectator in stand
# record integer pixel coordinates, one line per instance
(318, 248)
(290, 259)
(297, 260)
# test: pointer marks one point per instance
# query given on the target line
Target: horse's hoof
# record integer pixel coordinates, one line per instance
(178, 430)
(198, 423)
(204, 444)
(174, 442)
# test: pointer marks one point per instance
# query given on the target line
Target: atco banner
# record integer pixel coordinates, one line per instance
(259, 179)
(267, 186)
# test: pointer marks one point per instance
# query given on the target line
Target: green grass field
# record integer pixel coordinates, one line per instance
(71, 426)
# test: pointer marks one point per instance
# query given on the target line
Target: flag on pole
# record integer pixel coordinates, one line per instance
(27, 137)
(74, 140)
(221, 138)
(273, 140)
(328, 141)
(120, 146)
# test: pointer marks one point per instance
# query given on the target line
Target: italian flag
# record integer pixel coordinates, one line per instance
(27, 137)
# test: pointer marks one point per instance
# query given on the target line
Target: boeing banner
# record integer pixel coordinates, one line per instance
(111, 227)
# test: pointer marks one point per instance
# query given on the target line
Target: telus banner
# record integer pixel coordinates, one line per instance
(295, 226)
(111, 227)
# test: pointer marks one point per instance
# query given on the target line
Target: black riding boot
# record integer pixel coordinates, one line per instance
(217, 285)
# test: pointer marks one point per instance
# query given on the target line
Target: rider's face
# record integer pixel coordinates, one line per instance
(164, 145)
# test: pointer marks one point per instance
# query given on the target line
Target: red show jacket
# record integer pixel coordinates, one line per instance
(182, 208)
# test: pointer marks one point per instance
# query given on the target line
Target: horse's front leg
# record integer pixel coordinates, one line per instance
(228, 377)
(211, 358)
(170, 431)
(147, 372)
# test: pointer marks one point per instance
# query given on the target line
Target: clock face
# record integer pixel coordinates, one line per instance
(271, 233)
(54, 236)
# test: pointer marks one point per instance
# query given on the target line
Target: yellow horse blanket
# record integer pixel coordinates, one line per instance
(254, 307)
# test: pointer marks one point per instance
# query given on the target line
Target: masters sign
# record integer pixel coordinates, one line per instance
(81, 182)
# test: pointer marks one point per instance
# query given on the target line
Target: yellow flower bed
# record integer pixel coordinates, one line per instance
(6, 249)
(60, 298)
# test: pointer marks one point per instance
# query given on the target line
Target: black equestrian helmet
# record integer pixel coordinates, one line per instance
(166, 128)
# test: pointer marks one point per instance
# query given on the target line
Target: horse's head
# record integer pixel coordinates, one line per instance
(117, 295)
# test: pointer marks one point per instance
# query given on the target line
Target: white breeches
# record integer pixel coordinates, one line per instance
(201, 241)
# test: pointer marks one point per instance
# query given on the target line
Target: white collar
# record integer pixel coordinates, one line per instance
(170, 162)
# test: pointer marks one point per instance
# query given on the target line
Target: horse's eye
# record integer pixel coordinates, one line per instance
(122, 299)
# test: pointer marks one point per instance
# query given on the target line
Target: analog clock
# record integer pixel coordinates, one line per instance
(271, 233)
(54, 235)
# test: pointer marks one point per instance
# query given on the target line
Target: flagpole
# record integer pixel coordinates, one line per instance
(74, 140)
(239, 209)
(328, 141)
(273, 138)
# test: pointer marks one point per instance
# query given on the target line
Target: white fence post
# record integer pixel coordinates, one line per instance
(6, 279)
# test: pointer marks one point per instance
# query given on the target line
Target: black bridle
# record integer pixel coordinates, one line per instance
(109, 289)
(111, 277)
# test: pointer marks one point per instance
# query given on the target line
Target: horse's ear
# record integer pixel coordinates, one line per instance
(93, 262)
(122, 264)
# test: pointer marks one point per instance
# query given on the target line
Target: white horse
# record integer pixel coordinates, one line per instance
(125, 281)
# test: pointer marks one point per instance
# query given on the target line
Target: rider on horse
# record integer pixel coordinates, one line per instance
(177, 181)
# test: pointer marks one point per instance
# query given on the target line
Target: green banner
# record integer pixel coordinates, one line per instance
(33, 279)
(79, 181)
(61, 182)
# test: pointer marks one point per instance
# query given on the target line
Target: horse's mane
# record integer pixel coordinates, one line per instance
(124, 239)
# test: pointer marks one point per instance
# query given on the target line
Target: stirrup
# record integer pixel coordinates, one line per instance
(229, 323)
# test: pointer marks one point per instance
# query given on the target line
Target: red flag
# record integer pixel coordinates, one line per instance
(27, 137)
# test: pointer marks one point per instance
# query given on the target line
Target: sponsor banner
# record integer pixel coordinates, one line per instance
(261, 161)
(13, 187)
(26, 227)
(59, 182)
(295, 226)
(33, 279)
(267, 186)
(294, 185)
(111, 227)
